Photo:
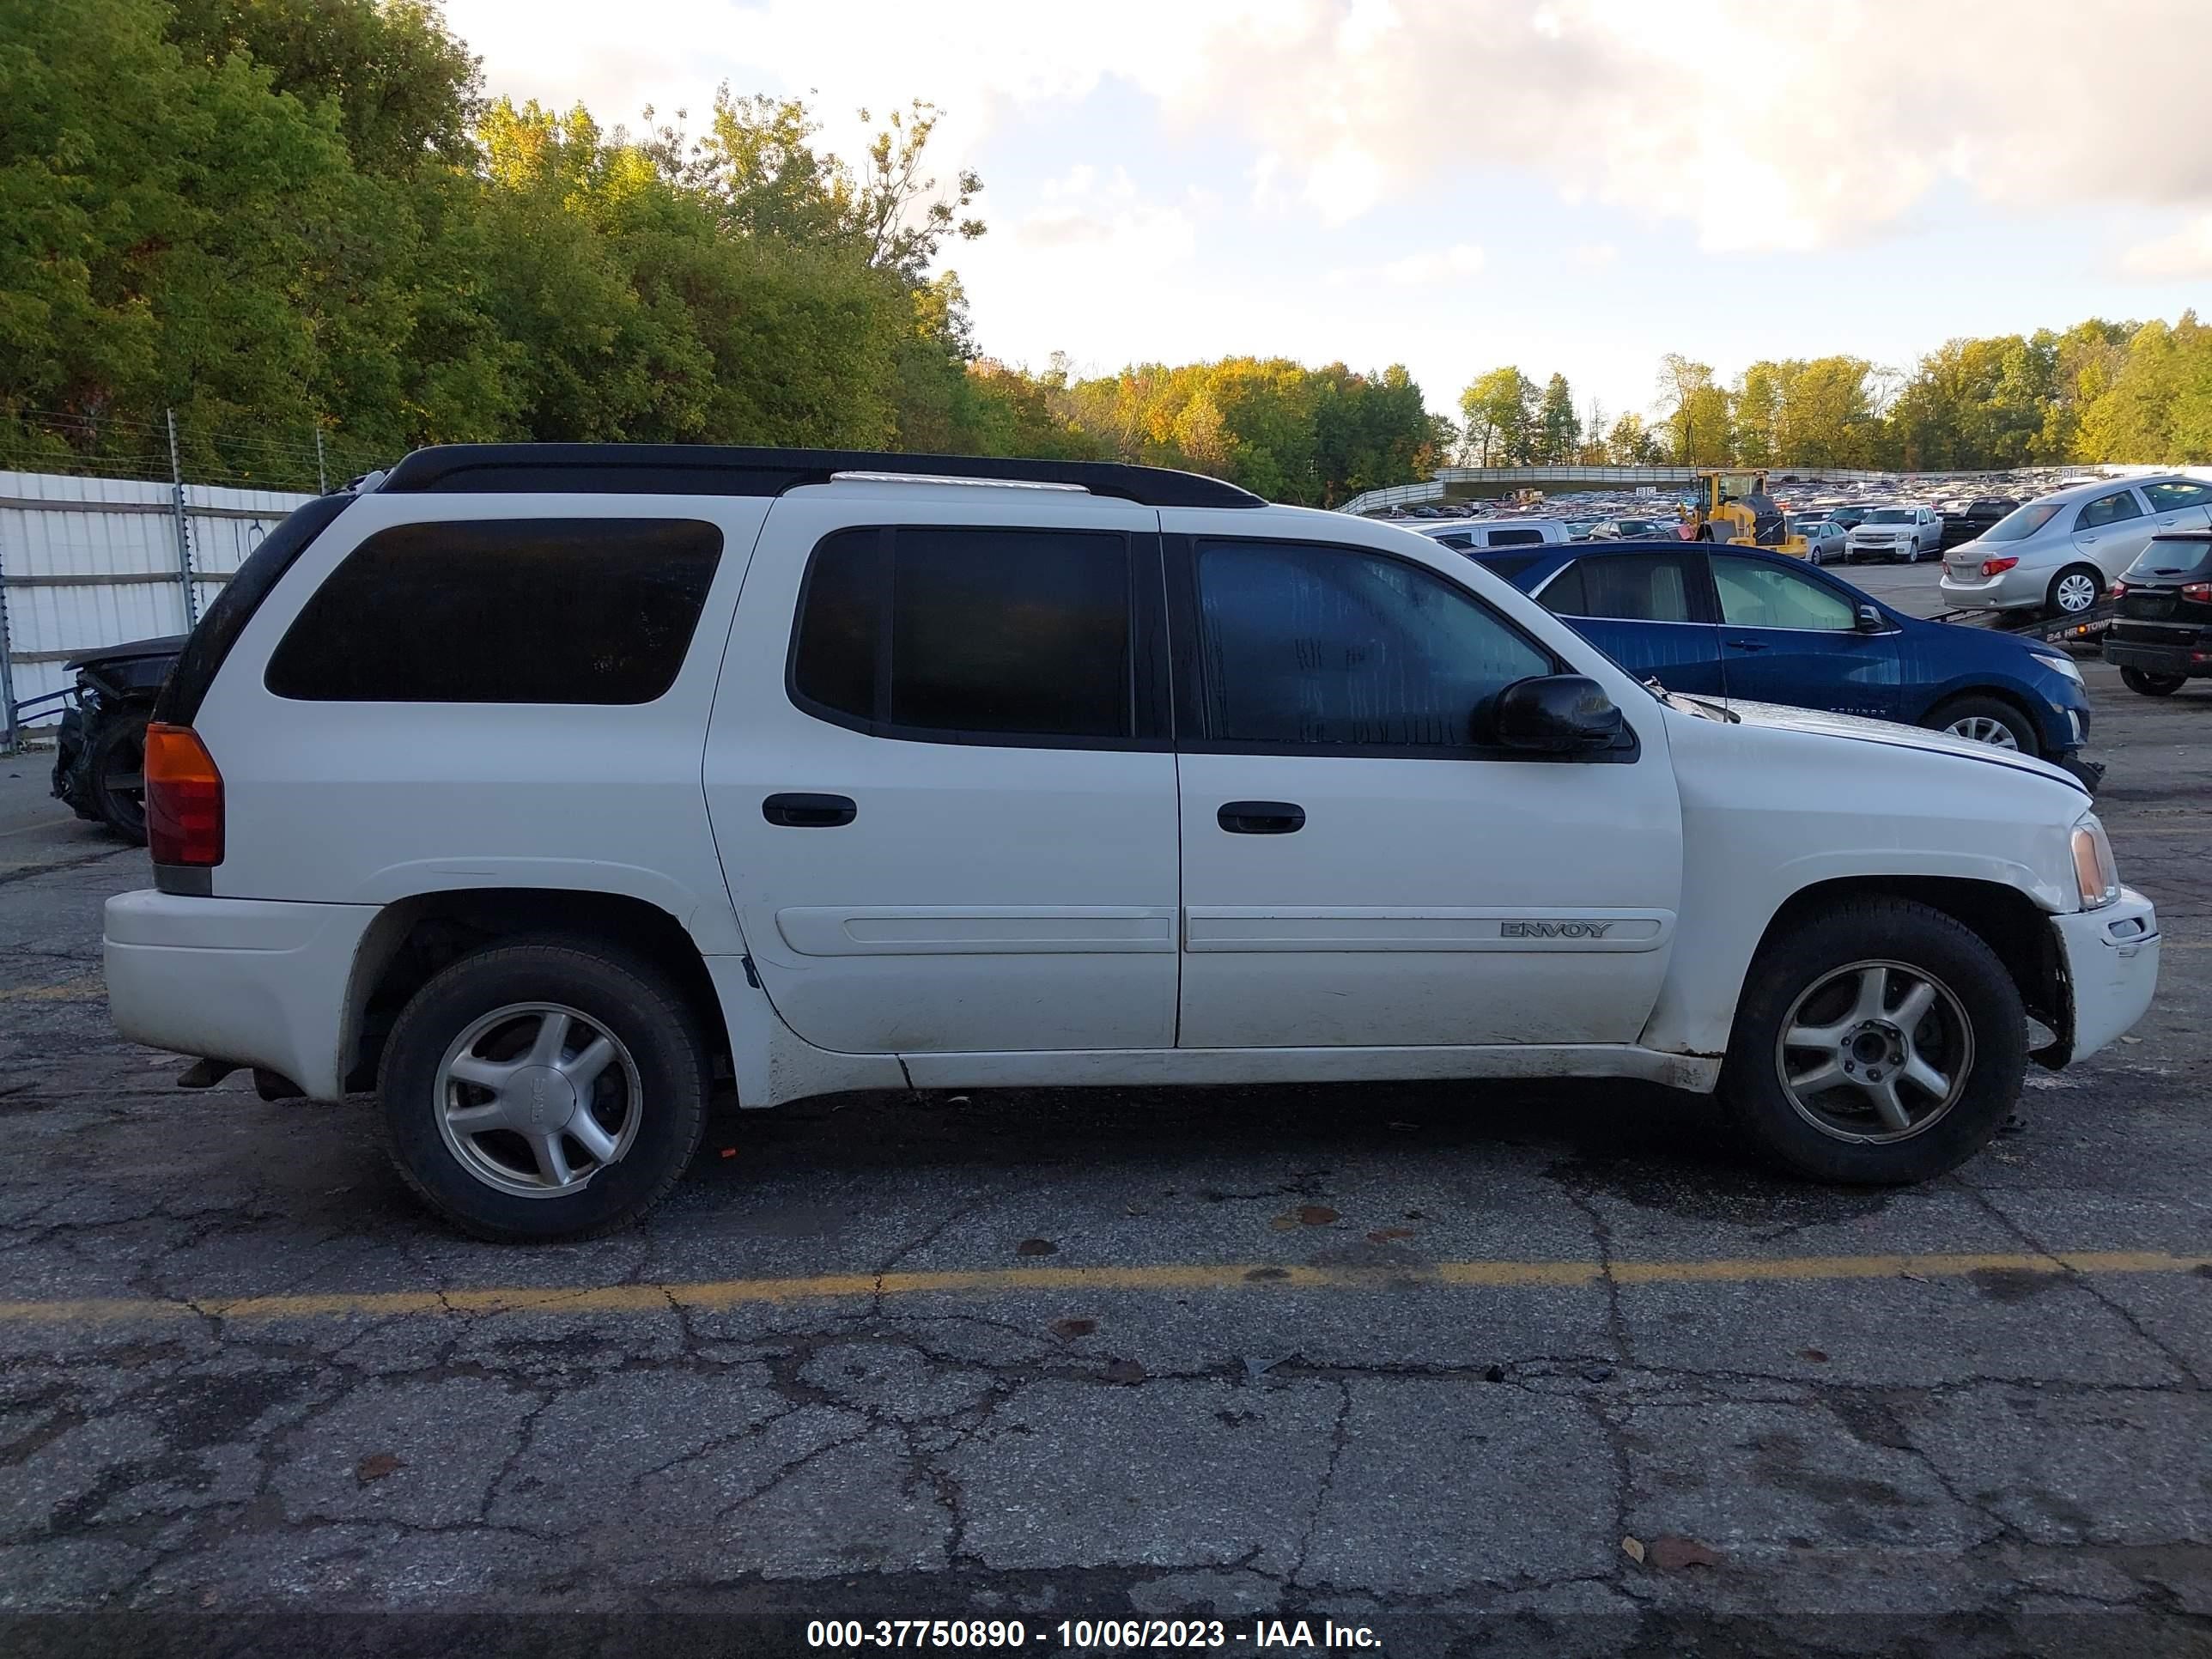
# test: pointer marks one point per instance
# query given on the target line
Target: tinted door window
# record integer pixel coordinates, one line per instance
(1756, 594)
(950, 633)
(550, 611)
(2173, 497)
(1640, 587)
(1327, 646)
(2114, 508)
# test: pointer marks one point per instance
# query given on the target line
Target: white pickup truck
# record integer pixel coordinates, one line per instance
(540, 787)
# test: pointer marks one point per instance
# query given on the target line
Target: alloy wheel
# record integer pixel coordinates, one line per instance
(536, 1098)
(1981, 728)
(1874, 1052)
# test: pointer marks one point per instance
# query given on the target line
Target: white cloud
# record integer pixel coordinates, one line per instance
(2187, 253)
(1415, 270)
(1765, 124)
(1083, 218)
(1594, 254)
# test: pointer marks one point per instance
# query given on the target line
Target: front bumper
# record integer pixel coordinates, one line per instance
(259, 982)
(2111, 962)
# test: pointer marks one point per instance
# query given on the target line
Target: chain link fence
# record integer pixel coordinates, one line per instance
(113, 529)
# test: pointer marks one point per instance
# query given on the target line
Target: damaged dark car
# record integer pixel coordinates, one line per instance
(99, 752)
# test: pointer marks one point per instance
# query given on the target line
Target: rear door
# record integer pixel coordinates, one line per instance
(2178, 504)
(1651, 612)
(1790, 636)
(939, 778)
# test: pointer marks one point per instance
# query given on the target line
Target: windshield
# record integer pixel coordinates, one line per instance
(1888, 516)
(2022, 522)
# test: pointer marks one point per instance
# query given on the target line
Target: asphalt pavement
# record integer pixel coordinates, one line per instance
(1485, 1369)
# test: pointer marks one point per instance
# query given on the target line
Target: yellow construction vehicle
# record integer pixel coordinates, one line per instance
(1733, 506)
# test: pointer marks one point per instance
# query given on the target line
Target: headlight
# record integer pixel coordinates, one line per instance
(2065, 665)
(2095, 872)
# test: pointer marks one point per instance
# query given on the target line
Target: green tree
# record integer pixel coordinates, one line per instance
(1694, 411)
(1631, 443)
(1558, 430)
(1500, 411)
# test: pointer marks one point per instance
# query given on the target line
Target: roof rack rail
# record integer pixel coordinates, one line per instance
(718, 469)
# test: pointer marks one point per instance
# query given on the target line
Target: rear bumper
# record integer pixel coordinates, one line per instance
(2184, 658)
(2111, 968)
(256, 982)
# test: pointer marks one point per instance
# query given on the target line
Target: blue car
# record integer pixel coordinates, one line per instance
(1737, 623)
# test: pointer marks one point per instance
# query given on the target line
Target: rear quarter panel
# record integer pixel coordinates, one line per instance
(363, 803)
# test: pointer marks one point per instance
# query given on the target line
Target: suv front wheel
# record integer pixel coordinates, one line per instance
(550, 1089)
(1879, 1044)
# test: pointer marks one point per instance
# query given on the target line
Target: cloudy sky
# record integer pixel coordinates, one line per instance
(1570, 185)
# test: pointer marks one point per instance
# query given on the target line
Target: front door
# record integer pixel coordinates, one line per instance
(1360, 867)
(1789, 637)
(944, 798)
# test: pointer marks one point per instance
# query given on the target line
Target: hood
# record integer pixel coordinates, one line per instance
(1857, 729)
(166, 646)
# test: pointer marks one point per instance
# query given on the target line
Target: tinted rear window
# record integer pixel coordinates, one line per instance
(2169, 558)
(943, 634)
(1515, 537)
(547, 611)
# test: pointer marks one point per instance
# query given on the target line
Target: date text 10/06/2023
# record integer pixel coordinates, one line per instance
(1094, 1635)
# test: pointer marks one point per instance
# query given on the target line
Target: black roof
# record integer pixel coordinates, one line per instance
(717, 469)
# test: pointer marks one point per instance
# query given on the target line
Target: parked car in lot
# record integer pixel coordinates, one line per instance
(1634, 530)
(1895, 535)
(1497, 532)
(2161, 638)
(1965, 521)
(1824, 537)
(1850, 516)
(99, 745)
(1741, 624)
(2060, 552)
(540, 787)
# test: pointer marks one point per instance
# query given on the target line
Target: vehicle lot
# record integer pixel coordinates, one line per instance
(1417, 1357)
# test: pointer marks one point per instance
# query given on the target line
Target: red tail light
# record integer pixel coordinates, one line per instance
(184, 797)
(2119, 590)
(1997, 567)
(2200, 592)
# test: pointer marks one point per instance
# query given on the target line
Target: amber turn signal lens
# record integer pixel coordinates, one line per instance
(184, 797)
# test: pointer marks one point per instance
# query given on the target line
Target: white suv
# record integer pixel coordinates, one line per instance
(541, 786)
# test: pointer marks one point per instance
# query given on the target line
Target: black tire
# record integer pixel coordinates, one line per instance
(2024, 735)
(2050, 593)
(1924, 941)
(116, 774)
(2148, 684)
(631, 1000)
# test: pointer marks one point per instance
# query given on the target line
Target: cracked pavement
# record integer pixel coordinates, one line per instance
(1996, 1459)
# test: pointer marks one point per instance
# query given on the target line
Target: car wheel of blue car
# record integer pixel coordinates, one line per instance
(1990, 720)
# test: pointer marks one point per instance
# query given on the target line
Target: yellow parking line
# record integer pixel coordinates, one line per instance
(75, 990)
(710, 1295)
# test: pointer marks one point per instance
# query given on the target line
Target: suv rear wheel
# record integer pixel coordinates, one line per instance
(2141, 680)
(555, 1089)
(1880, 1044)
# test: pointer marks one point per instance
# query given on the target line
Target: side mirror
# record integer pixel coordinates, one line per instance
(1555, 714)
(1870, 620)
